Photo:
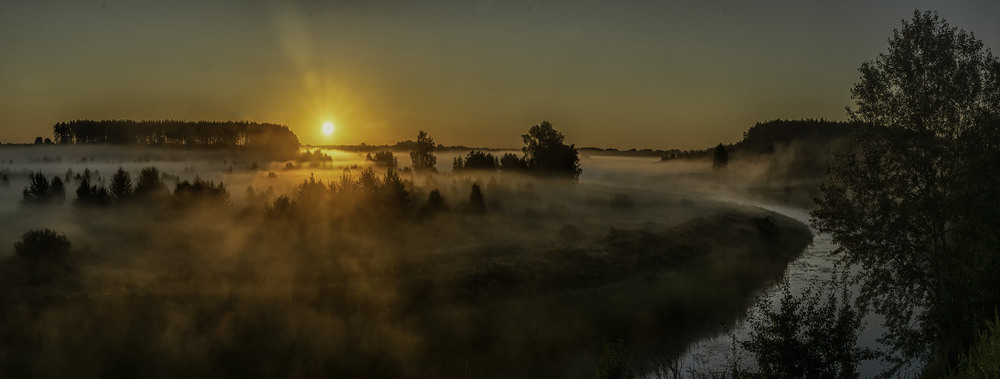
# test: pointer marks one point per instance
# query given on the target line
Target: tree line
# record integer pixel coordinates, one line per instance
(266, 136)
(148, 187)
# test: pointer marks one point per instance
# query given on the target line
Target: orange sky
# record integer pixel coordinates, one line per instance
(622, 74)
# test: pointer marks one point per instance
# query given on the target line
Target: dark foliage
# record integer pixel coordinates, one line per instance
(422, 154)
(720, 158)
(44, 255)
(916, 208)
(41, 190)
(383, 158)
(511, 162)
(477, 160)
(806, 337)
(201, 191)
(261, 136)
(477, 204)
(546, 154)
(121, 185)
(92, 195)
(150, 185)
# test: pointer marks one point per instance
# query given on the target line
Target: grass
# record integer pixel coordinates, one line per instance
(210, 295)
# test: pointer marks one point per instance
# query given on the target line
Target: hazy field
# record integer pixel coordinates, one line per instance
(337, 282)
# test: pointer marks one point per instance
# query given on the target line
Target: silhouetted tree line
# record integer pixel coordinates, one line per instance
(763, 135)
(148, 189)
(266, 136)
(383, 158)
(544, 154)
(41, 190)
(365, 197)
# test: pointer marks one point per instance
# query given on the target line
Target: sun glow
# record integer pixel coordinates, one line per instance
(328, 128)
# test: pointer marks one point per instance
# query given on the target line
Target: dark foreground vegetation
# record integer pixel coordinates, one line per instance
(369, 275)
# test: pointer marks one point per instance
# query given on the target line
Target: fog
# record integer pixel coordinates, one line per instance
(326, 267)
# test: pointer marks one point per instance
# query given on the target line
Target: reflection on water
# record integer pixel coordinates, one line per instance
(815, 266)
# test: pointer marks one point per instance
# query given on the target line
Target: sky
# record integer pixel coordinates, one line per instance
(621, 74)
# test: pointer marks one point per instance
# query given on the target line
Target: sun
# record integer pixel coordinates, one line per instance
(328, 128)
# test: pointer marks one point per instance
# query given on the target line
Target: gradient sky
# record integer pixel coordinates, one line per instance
(664, 74)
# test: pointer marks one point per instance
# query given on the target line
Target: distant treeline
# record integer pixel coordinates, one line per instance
(263, 136)
(764, 135)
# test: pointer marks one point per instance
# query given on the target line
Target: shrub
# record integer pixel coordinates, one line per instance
(44, 253)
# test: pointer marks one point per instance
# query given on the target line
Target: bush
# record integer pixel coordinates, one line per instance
(807, 336)
(983, 358)
(44, 253)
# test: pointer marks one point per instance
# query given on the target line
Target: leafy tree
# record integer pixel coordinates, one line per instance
(121, 185)
(44, 254)
(57, 191)
(42, 244)
(393, 194)
(807, 337)
(383, 158)
(149, 183)
(40, 190)
(457, 164)
(422, 155)
(479, 160)
(87, 194)
(720, 158)
(916, 206)
(38, 141)
(511, 162)
(545, 152)
(201, 191)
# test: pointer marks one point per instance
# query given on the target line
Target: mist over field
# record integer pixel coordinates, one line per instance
(304, 268)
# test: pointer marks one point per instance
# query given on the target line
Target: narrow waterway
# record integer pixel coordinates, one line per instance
(814, 267)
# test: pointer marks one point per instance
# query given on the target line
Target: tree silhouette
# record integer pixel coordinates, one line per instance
(393, 194)
(545, 152)
(121, 185)
(435, 203)
(383, 158)
(916, 208)
(149, 184)
(721, 157)
(477, 204)
(92, 195)
(479, 160)
(511, 162)
(40, 190)
(44, 253)
(39, 141)
(201, 192)
(422, 155)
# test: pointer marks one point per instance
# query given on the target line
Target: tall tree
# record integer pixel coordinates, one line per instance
(545, 152)
(916, 206)
(422, 155)
(121, 185)
(720, 158)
